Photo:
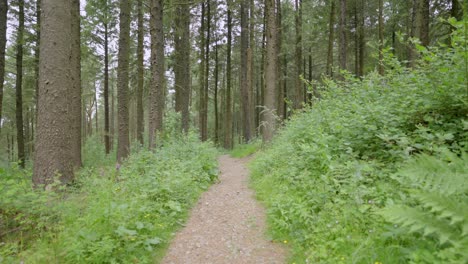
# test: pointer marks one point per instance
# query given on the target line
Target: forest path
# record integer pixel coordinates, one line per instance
(227, 225)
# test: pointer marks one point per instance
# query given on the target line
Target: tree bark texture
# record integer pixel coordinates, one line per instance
(36, 60)
(269, 117)
(228, 119)
(216, 78)
(157, 89)
(244, 86)
(75, 88)
(53, 155)
(182, 63)
(298, 85)
(342, 48)
(207, 69)
(140, 79)
(3, 29)
(123, 141)
(331, 39)
(202, 115)
(279, 78)
(19, 85)
(107, 141)
(381, 37)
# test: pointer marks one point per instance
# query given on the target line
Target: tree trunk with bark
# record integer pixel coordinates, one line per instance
(36, 63)
(3, 31)
(298, 86)
(202, 115)
(123, 141)
(279, 78)
(157, 91)
(182, 63)
(424, 16)
(207, 68)
(19, 85)
(381, 37)
(269, 117)
(75, 88)
(139, 110)
(331, 39)
(244, 87)
(53, 155)
(216, 77)
(107, 141)
(228, 119)
(342, 48)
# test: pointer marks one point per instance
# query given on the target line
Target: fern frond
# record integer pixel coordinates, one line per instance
(419, 221)
(447, 177)
(444, 206)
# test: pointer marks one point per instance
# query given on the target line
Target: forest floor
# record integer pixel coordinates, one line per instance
(227, 225)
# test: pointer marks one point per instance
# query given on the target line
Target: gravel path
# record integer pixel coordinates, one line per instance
(227, 225)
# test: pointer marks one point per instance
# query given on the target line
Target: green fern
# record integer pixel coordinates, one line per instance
(439, 187)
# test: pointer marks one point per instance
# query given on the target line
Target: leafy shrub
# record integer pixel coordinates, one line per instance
(328, 173)
(112, 216)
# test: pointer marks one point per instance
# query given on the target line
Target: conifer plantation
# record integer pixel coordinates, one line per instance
(147, 131)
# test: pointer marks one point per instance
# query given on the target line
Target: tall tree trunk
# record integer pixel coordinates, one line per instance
(3, 31)
(207, 69)
(27, 128)
(251, 67)
(424, 9)
(75, 88)
(270, 71)
(244, 87)
(413, 33)
(106, 89)
(112, 117)
(381, 37)
(298, 88)
(53, 151)
(228, 119)
(331, 39)
(216, 76)
(314, 90)
(356, 38)
(96, 107)
(157, 91)
(279, 79)
(139, 110)
(182, 63)
(202, 120)
(19, 85)
(361, 42)
(261, 90)
(123, 141)
(36, 65)
(342, 48)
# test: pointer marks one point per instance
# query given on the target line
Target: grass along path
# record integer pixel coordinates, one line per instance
(227, 225)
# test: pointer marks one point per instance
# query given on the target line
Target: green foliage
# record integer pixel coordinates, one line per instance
(438, 208)
(107, 216)
(94, 153)
(327, 175)
(244, 150)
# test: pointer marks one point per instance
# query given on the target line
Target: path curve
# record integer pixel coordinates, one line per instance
(227, 225)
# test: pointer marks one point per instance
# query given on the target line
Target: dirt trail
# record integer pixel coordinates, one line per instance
(227, 225)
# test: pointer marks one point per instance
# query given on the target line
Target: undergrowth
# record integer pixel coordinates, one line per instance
(106, 216)
(376, 171)
(244, 150)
